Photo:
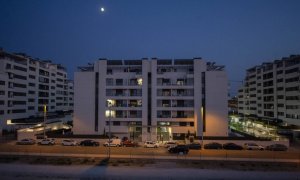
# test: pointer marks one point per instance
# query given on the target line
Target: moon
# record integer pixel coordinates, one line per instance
(102, 9)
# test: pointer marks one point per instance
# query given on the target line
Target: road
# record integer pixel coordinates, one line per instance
(149, 152)
(32, 172)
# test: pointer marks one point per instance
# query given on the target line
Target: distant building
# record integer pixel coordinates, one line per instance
(27, 84)
(233, 105)
(151, 99)
(272, 91)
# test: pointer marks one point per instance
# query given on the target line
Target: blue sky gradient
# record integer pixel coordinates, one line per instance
(236, 33)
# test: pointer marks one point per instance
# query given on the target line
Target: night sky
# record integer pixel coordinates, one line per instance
(237, 34)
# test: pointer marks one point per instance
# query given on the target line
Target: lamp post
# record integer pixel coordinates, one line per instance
(202, 134)
(45, 117)
(109, 121)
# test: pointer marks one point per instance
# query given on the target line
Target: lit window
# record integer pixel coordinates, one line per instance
(113, 114)
(140, 81)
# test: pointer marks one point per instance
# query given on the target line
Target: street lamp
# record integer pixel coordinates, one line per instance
(202, 116)
(109, 104)
(45, 117)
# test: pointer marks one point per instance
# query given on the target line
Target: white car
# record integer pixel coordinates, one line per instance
(151, 144)
(47, 142)
(113, 143)
(69, 142)
(253, 146)
(170, 144)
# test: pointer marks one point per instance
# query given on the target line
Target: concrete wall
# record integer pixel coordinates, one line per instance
(84, 110)
(216, 103)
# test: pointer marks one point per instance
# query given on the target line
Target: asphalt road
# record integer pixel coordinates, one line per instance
(38, 172)
(150, 152)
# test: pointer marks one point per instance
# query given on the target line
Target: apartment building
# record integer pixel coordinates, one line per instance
(27, 84)
(151, 99)
(272, 91)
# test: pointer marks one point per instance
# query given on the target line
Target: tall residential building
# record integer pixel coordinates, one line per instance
(27, 84)
(151, 99)
(272, 91)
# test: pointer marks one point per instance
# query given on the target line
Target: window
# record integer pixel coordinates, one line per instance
(20, 77)
(109, 82)
(20, 68)
(109, 71)
(16, 111)
(20, 85)
(280, 113)
(280, 72)
(295, 88)
(119, 82)
(31, 76)
(291, 70)
(292, 98)
(280, 105)
(280, 80)
(8, 66)
(182, 123)
(31, 92)
(30, 108)
(31, 84)
(116, 123)
(31, 68)
(294, 79)
(279, 88)
(280, 97)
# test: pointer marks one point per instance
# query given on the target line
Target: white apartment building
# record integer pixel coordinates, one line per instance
(272, 91)
(27, 84)
(151, 99)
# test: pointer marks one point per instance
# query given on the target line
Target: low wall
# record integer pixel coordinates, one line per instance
(242, 142)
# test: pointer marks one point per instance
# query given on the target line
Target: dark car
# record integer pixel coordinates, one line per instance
(194, 146)
(232, 146)
(89, 143)
(26, 141)
(213, 145)
(129, 144)
(178, 149)
(277, 147)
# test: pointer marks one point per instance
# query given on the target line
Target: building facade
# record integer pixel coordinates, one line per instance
(27, 84)
(272, 91)
(151, 99)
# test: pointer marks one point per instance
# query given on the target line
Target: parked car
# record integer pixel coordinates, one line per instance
(170, 144)
(89, 143)
(194, 146)
(130, 144)
(232, 146)
(47, 142)
(277, 147)
(253, 146)
(26, 141)
(213, 145)
(178, 149)
(69, 142)
(113, 143)
(151, 144)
